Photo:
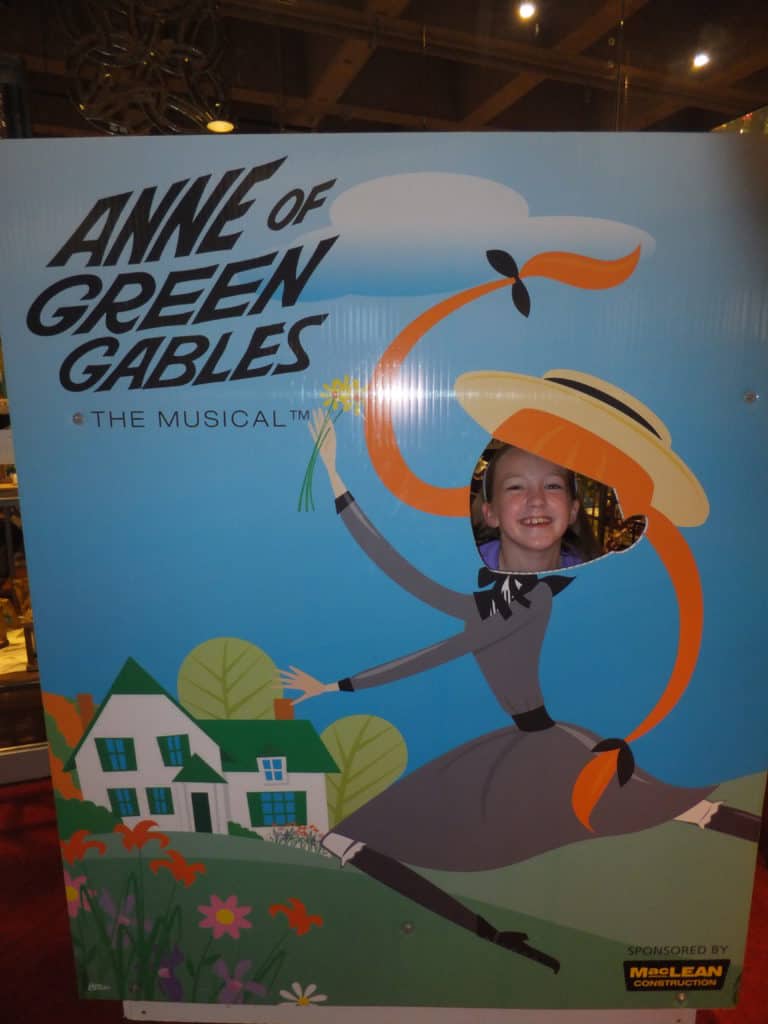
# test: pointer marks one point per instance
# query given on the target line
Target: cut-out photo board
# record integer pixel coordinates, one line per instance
(392, 508)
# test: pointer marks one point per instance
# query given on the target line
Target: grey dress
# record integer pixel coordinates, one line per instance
(504, 796)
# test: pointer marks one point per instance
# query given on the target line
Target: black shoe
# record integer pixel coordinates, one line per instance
(509, 939)
(734, 822)
(516, 942)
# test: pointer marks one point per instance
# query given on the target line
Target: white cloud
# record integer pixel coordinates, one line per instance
(411, 234)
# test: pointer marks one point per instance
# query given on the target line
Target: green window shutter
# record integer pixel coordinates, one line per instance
(124, 802)
(255, 811)
(277, 807)
(101, 751)
(160, 800)
(174, 749)
(116, 754)
(301, 808)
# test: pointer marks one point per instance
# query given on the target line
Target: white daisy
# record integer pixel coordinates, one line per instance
(302, 996)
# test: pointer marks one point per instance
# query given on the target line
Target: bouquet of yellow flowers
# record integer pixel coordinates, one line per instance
(345, 395)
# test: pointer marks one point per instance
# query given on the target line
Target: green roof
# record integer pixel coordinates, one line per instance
(131, 680)
(197, 770)
(242, 741)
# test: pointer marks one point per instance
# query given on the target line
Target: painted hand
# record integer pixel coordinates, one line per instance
(324, 435)
(293, 678)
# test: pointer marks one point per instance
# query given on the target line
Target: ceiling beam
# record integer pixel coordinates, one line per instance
(714, 93)
(649, 115)
(289, 106)
(590, 31)
(345, 65)
(484, 51)
(285, 106)
(43, 130)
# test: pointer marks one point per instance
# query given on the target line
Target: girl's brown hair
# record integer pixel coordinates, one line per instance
(578, 539)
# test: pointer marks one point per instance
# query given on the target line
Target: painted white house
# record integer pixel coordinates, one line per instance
(143, 756)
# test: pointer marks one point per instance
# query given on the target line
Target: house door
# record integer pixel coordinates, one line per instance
(201, 812)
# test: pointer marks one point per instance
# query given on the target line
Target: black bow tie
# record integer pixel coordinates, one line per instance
(508, 589)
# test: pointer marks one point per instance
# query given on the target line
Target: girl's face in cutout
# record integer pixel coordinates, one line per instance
(531, 505)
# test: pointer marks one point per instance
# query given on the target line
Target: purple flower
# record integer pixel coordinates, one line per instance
(234, 987)
(122, 917)
(169, 984)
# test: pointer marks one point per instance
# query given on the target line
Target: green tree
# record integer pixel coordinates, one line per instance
(227, 678)
(371, 755)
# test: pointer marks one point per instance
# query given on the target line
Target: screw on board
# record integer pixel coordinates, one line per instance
(407, 927)
(751, 396)
(78, 419)
(681, 997)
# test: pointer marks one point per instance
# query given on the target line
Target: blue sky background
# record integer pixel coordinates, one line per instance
(145, 543)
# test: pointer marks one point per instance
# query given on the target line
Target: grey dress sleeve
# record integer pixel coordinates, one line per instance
(410, 664)
(399, 569)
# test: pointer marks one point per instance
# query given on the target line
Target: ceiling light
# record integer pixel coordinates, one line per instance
(220, 127)
(526, 11)
(701, 60)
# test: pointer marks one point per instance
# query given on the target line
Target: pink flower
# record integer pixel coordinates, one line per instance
(225, 917)
(72, 890)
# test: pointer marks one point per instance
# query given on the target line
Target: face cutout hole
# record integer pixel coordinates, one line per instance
(530, 515)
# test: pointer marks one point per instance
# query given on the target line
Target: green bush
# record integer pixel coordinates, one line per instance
(245, 833)
(75, 815)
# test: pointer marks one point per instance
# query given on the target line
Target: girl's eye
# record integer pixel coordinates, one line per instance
(556, 486)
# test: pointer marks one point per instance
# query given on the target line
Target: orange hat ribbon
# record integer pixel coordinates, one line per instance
(384, 386)
(567, 444)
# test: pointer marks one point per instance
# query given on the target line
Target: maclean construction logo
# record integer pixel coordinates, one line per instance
(656, 975)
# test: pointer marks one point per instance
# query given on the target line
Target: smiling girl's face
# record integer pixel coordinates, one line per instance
(531, 504)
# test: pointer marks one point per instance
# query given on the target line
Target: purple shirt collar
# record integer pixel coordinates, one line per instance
(491, 551)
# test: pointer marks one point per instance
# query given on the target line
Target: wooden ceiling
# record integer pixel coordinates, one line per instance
(461, 65)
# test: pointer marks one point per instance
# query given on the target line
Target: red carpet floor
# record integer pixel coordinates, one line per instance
(37, 980)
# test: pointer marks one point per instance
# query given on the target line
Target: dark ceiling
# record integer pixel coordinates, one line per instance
(404, 65)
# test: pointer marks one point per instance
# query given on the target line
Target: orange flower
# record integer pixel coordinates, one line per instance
(298, 918)
(74, 848)
(138, 836)
(181, 869)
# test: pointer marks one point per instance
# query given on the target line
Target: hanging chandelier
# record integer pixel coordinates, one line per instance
(140, 67)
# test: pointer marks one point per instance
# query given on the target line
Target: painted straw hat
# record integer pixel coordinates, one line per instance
(491, 397)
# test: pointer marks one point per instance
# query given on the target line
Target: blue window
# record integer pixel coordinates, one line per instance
(277, 808)
(116, 755)
(125, 803)
(273, 768)
(174, 749)
(160, 800)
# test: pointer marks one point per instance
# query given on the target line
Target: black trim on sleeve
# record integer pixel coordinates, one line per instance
(535, 720)
(343, 500)
(345, 684)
